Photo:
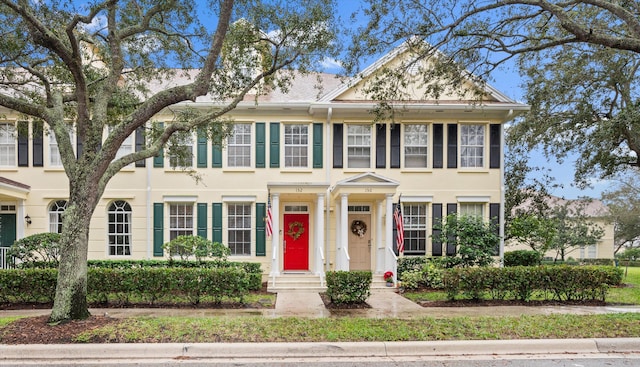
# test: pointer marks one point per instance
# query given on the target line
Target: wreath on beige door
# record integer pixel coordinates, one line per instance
(296, 229)
(359, 228)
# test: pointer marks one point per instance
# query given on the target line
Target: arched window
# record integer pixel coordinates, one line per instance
(56, 210)
(119, 228)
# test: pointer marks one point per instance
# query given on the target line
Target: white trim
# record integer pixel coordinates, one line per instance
(473, 199)
(179, 199)
(416, 199)
(238, 199)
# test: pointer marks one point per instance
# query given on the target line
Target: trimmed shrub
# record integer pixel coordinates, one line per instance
(37, 248)
(186, 247)
(412, 279)
(563, 283)
(522, 258)
(345, 287)
(408, 263)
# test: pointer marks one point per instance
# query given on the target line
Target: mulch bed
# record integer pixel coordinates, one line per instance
(36, 330)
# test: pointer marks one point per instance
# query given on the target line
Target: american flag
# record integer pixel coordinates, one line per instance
(269, 217)
(397, 216)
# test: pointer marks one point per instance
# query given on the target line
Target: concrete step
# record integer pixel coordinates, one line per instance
(312, 282)
(303, 282)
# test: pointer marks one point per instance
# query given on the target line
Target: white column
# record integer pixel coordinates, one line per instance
(319, 234)
(275, 235)
(21, 223)
(388, 228)
(344, 231)
(338, 244)
(379, 242)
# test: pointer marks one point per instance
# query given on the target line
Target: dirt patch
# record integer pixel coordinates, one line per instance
(36, 330)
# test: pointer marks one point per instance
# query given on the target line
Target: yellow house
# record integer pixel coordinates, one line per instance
(327, 174)
(596, 212)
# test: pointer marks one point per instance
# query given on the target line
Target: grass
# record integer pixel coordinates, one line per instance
(630, 294)
(292, 329)
(627, 295)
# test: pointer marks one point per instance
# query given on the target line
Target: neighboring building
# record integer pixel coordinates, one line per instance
(597, 213)
(332, 178)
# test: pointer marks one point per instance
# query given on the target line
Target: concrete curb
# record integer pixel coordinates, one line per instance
(317, 350)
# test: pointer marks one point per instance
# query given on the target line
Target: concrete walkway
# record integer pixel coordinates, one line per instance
(383, 304)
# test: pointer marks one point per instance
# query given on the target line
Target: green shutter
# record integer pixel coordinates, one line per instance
(158, 160)
(202, 149)
(317, 145)
(261, 215)
(261, 140)
(216, 156)
(202, 220)
(274, 144)
(216, 222)
(158, 228)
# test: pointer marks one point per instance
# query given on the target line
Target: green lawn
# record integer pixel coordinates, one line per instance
(292, 329)
(629, 294)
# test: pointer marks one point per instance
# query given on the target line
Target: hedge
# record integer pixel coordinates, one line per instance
(345, 287)
(560, 282)
(120, 285)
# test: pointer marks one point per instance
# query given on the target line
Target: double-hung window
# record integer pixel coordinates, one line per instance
(119, 228)
(55, 160)
(239, 228)
(239, 146)
(358, 146)
(182, 155)
(415, 146)
(296, 146)
(472, 146)
(7, 145)
(414, 217)
(180, 220)
(472, 209)
(126, 147)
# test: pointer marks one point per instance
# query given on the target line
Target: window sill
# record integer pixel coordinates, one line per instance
(473, 170)
(10, 169)
(239, 169)
(296, 170)
(416, 170)
(54, 169)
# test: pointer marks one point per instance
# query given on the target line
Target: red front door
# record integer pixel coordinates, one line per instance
(296, 242)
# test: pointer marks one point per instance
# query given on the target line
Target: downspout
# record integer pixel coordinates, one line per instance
(502, 196)
(327, 202)
(148, 204)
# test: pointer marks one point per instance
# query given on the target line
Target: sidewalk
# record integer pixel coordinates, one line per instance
(309, 304)
(383, 304)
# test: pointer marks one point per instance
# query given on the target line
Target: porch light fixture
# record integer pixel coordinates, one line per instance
(27, 219)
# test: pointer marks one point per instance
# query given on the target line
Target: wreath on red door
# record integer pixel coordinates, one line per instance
(296, 229)
(359, 228)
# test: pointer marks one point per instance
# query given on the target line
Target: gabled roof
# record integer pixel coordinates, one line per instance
(384, 60)
(368, 178)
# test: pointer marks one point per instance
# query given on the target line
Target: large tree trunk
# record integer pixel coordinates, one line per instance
(70, 301)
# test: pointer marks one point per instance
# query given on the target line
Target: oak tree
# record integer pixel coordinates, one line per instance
(104, 66)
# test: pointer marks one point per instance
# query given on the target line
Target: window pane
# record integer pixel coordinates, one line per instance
(239, 146)
(239, 228)
(472, 146)
(415, 146)
(180, 219)
(415, 224)
(7, 145)
(358, 146)
(119, 224)
(296, 145)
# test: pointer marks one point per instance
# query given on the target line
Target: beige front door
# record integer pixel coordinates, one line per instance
(360, 241)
